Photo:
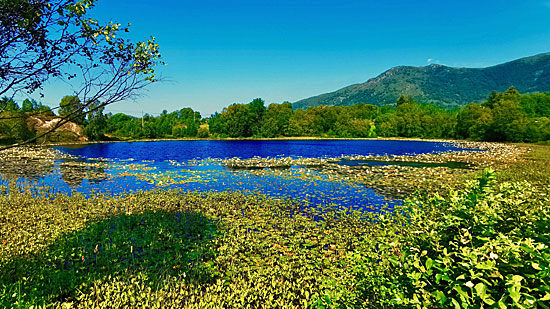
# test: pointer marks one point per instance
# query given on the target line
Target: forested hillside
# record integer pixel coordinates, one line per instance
(441, 85)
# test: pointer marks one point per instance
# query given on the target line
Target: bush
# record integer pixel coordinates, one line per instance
(203, 132)
(486, 246)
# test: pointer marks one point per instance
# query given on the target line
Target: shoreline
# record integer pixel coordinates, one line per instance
(298, 138)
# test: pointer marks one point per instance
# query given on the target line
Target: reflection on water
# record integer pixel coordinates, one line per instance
(32, 172)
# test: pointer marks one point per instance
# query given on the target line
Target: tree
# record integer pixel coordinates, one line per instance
(409, 119)
(203, 132)
(71, 108)
(277, 120)
(13, 126)
(365, 111)
(257, 110)
(386, 125)
(29, 106)
(403, 100)
(473, 121)
(7, 104)
(536, 104)
(509, 121)
(97, 122)
(494, 97)
(237, 120)
(40, 39)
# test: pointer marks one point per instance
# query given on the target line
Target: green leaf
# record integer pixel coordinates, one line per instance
(488, 300)
(429, 263)
(516, 280)
(481, 290)
(441, 297)
(462, 292)
(455, 303)
(514, 293)
(485, 265)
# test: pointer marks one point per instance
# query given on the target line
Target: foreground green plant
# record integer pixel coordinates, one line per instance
(484, 247)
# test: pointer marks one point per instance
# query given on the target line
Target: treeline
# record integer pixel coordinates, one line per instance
(279, 120)
(21, 123)
(14, 125)
(99, 126)
(182, 123)
(406, 119)
(507, 116)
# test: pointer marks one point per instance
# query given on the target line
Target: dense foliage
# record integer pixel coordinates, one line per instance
(441, 85)
(507, 116)
(14, 125)
(485, 246)
(177, 124)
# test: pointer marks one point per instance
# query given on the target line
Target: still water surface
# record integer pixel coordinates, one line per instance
(187, 150)
(195, 165)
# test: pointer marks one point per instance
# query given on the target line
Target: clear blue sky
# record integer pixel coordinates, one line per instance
(222, 52)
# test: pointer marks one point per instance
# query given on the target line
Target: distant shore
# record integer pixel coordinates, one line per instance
(296, 138)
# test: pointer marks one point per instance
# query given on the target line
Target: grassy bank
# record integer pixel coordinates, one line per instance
(485, 246)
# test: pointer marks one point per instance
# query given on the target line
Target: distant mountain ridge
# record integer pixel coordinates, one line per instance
(442, 85)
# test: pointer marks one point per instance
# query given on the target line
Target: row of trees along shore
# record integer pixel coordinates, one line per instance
(505, 116)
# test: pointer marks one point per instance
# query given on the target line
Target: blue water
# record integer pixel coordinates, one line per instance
(187, 150)
(194, 165)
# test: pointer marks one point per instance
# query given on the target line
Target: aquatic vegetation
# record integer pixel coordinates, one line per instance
(486, 244)
(191, 249)
(215, 240)
(395, 176)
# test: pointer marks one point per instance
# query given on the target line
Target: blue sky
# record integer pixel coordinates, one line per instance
(222, 52)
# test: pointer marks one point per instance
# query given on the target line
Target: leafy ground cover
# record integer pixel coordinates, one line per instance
(486, 246)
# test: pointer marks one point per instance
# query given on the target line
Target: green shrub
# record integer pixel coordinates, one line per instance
(486, 246)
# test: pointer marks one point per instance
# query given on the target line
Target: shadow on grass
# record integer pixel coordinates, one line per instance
(156, 244)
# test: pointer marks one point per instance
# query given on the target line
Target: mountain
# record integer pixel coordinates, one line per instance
(442, 85)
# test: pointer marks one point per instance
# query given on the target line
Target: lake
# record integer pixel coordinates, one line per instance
(116, 168)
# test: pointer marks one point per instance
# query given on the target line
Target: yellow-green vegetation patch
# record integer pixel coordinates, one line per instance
(534, 166)
(485, 246)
